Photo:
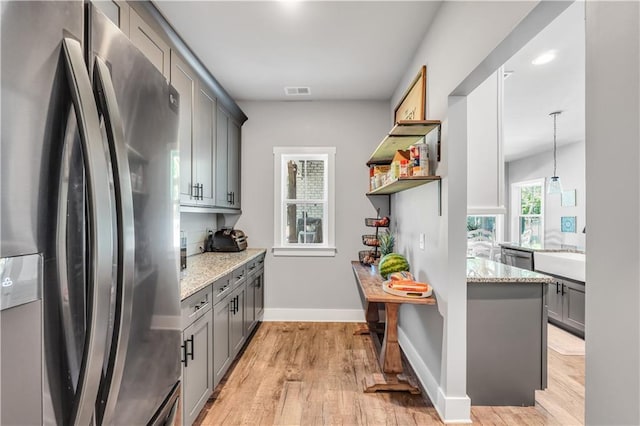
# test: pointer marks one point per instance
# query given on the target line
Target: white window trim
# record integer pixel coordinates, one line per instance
(280, 248)
(515, 206)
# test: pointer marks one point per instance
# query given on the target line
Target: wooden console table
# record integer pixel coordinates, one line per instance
(388, 350)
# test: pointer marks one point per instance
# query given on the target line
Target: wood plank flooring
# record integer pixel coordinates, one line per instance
(312, 374)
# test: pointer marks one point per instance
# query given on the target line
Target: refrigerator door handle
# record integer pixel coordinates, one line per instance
(106, 97)
(99, 230)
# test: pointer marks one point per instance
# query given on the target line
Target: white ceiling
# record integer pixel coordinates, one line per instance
(340, 49)
(532, 92)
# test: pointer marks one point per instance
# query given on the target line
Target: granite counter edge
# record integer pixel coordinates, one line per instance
(186, 293)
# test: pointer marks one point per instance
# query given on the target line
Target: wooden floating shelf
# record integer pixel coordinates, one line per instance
(402, 184)
(401, 137)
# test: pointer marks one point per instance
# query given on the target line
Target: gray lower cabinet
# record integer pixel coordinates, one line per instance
(254, 294)
(197, 354)
(566, 304)
(213, 336)
(236, 321)
(221, 346)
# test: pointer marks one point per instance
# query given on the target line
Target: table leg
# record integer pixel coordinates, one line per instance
(390, 359)
(371, 315)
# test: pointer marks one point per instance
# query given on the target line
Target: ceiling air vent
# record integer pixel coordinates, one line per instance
(297, 91)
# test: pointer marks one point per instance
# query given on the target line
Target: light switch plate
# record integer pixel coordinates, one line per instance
(421, 241)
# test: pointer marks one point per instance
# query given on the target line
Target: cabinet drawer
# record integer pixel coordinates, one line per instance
(239, 276)
(255, 265)
(194, 306)
(221, 288)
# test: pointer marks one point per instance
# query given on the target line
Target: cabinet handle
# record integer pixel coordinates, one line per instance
(194, 191)
(202, 191)
(184, 354)
(185, 351)
(233, 197)
(562, 289)
(557, 287)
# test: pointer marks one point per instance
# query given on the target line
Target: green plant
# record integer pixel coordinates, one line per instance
(386, 243)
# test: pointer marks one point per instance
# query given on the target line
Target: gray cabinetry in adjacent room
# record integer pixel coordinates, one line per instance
(227, 161)
(566, 303)
(506, 342)
(519, 258)
(197, 353)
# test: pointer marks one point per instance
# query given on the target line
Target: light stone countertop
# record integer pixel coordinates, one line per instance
(546, 248)
(203, 269)
(481, 270)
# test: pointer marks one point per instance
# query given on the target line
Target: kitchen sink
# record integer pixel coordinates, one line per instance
(565, 264)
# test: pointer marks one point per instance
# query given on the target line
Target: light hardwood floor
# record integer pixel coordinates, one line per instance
(312, 374)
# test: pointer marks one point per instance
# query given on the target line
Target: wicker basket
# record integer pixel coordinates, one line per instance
(370, 240)
(368, 257)
(374, 222)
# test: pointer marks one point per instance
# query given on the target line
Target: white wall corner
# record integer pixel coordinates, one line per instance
(450, 409)
(314, 315)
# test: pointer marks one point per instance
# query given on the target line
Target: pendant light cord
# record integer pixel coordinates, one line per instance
(555, 116)
(554, 144)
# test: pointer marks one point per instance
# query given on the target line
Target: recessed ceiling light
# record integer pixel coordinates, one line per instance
(545, 58)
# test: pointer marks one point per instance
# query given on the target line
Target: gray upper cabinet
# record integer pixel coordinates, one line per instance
(117, 11)
(145, 38)
(204, 146)
(183, 80)
(210, 121)
(227, 161)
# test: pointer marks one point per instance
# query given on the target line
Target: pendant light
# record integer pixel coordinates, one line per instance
(555, 187)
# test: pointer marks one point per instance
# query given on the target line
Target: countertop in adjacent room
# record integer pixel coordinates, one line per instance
(545, 247)
(203, 269)
(480, 270)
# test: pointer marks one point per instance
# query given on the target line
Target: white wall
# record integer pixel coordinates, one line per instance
(571, 169)
(462, 35)
(484, 150)
(195, 226)
(304, 288)
(613, 212)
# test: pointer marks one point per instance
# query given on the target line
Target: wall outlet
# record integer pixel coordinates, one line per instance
(421, 241)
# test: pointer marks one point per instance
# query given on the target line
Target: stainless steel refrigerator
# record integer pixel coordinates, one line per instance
(89, 223)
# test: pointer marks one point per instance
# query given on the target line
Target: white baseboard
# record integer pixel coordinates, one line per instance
(314, 315)
(450, 409)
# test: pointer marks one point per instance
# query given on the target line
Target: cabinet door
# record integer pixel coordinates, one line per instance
(204, 145)
(555, 300)
(223, 197)
(259, 295)
(183, 80)
(117, 11)
(221, 343)
(149, 42)
(250, 307)
(233, 168)
(196, 368)
(574, 304)
(236, 331)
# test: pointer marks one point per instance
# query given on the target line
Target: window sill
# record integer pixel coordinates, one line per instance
(304, 251)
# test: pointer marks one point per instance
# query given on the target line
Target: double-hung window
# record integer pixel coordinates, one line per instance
(527, 207)
(304, 201)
